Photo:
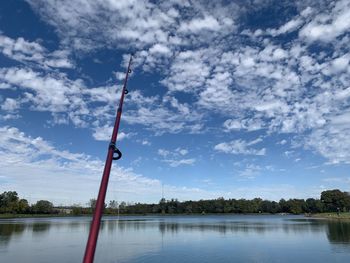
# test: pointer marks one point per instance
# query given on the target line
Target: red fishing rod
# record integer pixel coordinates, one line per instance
(112, 149)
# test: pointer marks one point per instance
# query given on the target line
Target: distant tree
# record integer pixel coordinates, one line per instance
(313, 205)
(255, 205)
(265, 206)
(122, 207)
(43, 207)
(296, 206)
(113, 204)
(8, 202)
(77, 210)
(92, 204)
(219, 204)
(162, 205)
(23, 206)
(284, 206)
(335, 199)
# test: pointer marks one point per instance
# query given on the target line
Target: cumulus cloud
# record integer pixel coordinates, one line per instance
(326, 26)
(157, 116)
(26, 51)
(247, 124)
(200, 24)
(240, 147)
(48, 92)
(10, 105)
(104, 133)
(333, 141)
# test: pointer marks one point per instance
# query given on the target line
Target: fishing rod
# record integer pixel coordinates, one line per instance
(112, 150)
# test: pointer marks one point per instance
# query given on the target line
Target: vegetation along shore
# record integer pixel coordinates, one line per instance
(332, 204)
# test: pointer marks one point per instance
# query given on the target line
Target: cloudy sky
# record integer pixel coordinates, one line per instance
(238, 99)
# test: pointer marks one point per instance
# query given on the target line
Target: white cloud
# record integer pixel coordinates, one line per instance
(10, 104)
(25, 51)
(332, 142)
(163, 152)
(158, 117)
(341, 180)
(128, 23)
(160, 49)
(200, 24)
(327, 26)
(188, 71)
(38, 170)
(175, 158)
(182, 151)
(48, 92)
(72, 101)
(104, 133)
(240, 147)
(283, 142)
(262, 83)
(248, 124)
(289, 26)
(251, 171)
(176, 163)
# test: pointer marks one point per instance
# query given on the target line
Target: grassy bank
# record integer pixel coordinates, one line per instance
(343, 215)
(4, 216)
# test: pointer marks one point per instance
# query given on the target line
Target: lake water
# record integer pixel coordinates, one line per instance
(224, 238)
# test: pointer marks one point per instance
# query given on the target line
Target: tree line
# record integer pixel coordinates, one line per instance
(10, 203)
(330, 201)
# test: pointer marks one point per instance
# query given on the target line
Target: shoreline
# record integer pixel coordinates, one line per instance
(331, 216)
(15, 216)
(328, 215)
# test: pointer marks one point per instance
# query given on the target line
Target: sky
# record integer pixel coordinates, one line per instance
(233, 99)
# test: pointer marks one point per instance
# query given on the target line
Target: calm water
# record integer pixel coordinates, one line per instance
(178, 239)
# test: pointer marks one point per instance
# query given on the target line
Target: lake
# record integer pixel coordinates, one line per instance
(209, 238)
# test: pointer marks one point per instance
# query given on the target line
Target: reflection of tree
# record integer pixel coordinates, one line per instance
(9, 230)
(165, 227)
(338, 232)
(239, 227)
(40, 228)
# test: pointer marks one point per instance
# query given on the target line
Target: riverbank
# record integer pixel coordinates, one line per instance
(343, 215)
(8, 216)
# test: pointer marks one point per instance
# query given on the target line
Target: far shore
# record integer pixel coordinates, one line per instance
(341, 216)
(333, 216)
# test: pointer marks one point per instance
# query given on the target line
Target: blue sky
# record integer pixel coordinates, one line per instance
(236, 99)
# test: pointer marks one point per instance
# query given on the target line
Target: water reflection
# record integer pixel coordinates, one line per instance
(137, 230)
(40, 229)
(338, 232)
(7, 231)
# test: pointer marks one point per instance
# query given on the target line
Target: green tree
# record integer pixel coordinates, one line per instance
(296, 206)
(335, 199)
(43, 207)
(23, 206)
(113, 204)
(77, 209)
(313, 205)
(9, 202)
(92, 203)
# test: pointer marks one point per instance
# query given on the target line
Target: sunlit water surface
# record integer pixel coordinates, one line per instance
(226, 238)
